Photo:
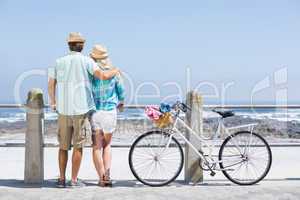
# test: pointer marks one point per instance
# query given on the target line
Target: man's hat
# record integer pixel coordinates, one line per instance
(75, 37)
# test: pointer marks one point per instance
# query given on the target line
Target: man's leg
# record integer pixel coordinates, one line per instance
(78, 144)
(97, 153)
(76, 161)
(64, 138)
(62, 160)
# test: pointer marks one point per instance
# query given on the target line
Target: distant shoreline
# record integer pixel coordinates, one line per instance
(273, 130)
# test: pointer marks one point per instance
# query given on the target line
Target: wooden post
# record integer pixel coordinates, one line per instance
(193, 172)
(34, 140)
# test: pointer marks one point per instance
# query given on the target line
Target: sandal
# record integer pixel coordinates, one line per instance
(106, 179)
(60, 183)
(101, 182)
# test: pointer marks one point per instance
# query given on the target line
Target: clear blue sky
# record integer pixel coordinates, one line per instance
(221, 41)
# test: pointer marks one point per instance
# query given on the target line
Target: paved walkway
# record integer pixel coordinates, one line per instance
(286, 164)
(131, 190)
(283, 181)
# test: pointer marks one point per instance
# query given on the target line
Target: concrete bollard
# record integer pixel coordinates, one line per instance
(34, 139)
(193, 172)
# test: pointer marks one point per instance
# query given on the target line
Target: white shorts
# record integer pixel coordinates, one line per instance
(104, 120)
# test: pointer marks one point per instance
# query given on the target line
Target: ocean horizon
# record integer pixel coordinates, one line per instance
(10, 115)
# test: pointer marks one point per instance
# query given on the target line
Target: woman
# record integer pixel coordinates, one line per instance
(108, 97)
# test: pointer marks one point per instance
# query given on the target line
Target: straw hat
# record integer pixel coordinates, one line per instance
(99, 52)
(75, 37)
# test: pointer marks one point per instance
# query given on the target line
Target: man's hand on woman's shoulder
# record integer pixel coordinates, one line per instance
(104, 75)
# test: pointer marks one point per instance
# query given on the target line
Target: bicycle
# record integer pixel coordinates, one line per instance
(156, 158)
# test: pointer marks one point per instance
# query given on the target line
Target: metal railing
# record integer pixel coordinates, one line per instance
(234, 106)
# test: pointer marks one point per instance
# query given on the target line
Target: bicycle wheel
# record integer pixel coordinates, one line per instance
(155, 158)
(245, 158)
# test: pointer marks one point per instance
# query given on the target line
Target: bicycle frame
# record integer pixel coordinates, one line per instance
(203, 141)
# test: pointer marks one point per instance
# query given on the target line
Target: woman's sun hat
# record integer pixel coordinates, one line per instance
(75, 37)
(99, 52)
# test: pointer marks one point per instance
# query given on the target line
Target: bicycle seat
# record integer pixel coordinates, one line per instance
(225, 113)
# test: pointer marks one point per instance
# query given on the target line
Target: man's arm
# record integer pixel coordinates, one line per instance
(95, 71)
(51, 91)
(105, 75)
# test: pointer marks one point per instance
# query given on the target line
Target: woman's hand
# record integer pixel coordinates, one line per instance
(121, 106)
(53, 105)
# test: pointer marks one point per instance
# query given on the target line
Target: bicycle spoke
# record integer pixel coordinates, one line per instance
(255, 158)
(149, 172)
(143, 164)
(153, 161)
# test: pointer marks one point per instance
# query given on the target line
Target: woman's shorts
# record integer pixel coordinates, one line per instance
(104, 120)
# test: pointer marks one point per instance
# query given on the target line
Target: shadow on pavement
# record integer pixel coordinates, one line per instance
(51, 183)
(137, 184)
(20, 184)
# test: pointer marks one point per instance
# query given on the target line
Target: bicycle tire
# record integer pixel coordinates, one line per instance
(266, 171)
(136, 175)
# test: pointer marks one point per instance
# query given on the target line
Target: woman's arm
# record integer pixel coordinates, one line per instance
(120, 89)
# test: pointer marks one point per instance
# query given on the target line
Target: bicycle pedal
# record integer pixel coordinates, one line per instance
(212, 173)
(201, 152)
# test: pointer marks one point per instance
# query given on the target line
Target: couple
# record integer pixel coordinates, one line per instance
(82, 88)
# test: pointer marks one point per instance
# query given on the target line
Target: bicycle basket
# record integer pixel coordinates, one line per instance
(160, 119)
(164, 120)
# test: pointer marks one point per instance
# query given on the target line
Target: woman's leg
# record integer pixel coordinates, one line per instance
(108, 125)
(98, 140)
(107, 151)
(107, 158)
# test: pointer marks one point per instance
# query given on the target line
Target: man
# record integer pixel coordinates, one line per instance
(71, 76)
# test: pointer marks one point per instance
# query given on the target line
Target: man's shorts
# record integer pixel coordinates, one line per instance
(104, 120)
(71, 130)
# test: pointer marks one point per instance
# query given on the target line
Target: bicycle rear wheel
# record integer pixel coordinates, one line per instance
(245, 157)
(156, 158)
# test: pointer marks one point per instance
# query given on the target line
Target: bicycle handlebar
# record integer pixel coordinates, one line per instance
(182, 106)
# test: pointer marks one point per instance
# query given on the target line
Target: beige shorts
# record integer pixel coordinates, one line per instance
(71, 130)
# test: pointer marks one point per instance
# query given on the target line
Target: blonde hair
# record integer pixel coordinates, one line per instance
(105, 63)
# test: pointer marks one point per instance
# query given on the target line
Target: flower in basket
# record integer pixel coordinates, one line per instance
(160, 115)
(164, 108)
(153, 112)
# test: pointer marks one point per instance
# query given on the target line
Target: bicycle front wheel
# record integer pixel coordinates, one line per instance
(245, 158)
(156, 158)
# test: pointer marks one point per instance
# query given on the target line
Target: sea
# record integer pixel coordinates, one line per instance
(11, 115)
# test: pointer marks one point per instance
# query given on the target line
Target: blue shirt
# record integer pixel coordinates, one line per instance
(108, 93)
